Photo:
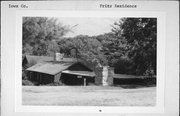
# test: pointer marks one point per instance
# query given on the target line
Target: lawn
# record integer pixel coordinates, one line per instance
(88, 96)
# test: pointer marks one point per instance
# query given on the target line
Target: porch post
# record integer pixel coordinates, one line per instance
(84, 81)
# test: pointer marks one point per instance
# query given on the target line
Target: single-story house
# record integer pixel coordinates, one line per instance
(69, 73)
(72, 72)
(45, 70)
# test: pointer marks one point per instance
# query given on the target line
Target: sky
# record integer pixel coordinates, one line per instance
(88, 26)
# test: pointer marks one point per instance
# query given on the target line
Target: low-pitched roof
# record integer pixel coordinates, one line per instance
(51, 68)
(29, 60)
(124, 76)
(82, 73)
(38, 59)
(54, 68)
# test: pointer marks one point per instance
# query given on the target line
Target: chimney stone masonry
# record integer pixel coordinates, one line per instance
(58, 56)
(104, 76)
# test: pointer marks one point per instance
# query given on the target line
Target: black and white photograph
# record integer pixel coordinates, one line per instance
(114, 58)
(89, 61)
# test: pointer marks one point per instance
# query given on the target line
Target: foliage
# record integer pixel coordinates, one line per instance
(24, 75)
(111, 47)
(38, 32)
(139, 37)
(130, 47)
(55, 84)
(27, 83)
(87, 48)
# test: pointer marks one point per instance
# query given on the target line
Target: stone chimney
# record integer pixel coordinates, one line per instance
(104, 76)
(98, 78)
(110, 75)
(58, 56)
(54, 56)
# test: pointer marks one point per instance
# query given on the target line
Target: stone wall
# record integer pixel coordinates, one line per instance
(57, 77)
(110, 75)
(104, 76)
(98, 78)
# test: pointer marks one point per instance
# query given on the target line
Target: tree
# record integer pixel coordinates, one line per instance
(38, 32)
(138, 36)
(111, 47)
(86, 49)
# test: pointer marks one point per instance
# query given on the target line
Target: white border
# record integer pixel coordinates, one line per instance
(159, 108)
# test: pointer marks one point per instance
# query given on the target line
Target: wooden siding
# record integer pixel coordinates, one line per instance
(40, 78)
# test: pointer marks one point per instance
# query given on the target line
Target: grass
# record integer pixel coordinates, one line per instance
(88, 96)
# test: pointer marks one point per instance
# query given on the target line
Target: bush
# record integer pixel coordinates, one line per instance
(27, 83)
(55, 84)
(24, 75)
(150, 81)
(91, 84)
(124, 66)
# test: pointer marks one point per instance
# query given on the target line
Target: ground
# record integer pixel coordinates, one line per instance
(88, 96)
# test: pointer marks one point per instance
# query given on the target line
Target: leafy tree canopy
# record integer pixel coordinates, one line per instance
(139, 36)
(38, 32)
(130, 47)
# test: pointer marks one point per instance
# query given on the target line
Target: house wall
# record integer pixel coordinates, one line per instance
(40, 78)
(47, 78)
(70, 79)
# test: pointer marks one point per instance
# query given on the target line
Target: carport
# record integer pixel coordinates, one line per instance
(77, 77)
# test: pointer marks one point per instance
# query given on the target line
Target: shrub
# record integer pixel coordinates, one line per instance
(124, 66)
(27, 83)
(91, 84)
(24, 75)
(55, 84)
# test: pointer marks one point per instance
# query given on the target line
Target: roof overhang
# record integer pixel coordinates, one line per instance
(82, 73)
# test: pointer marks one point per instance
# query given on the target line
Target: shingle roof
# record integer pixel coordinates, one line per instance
(38, 59)
(51, 68)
